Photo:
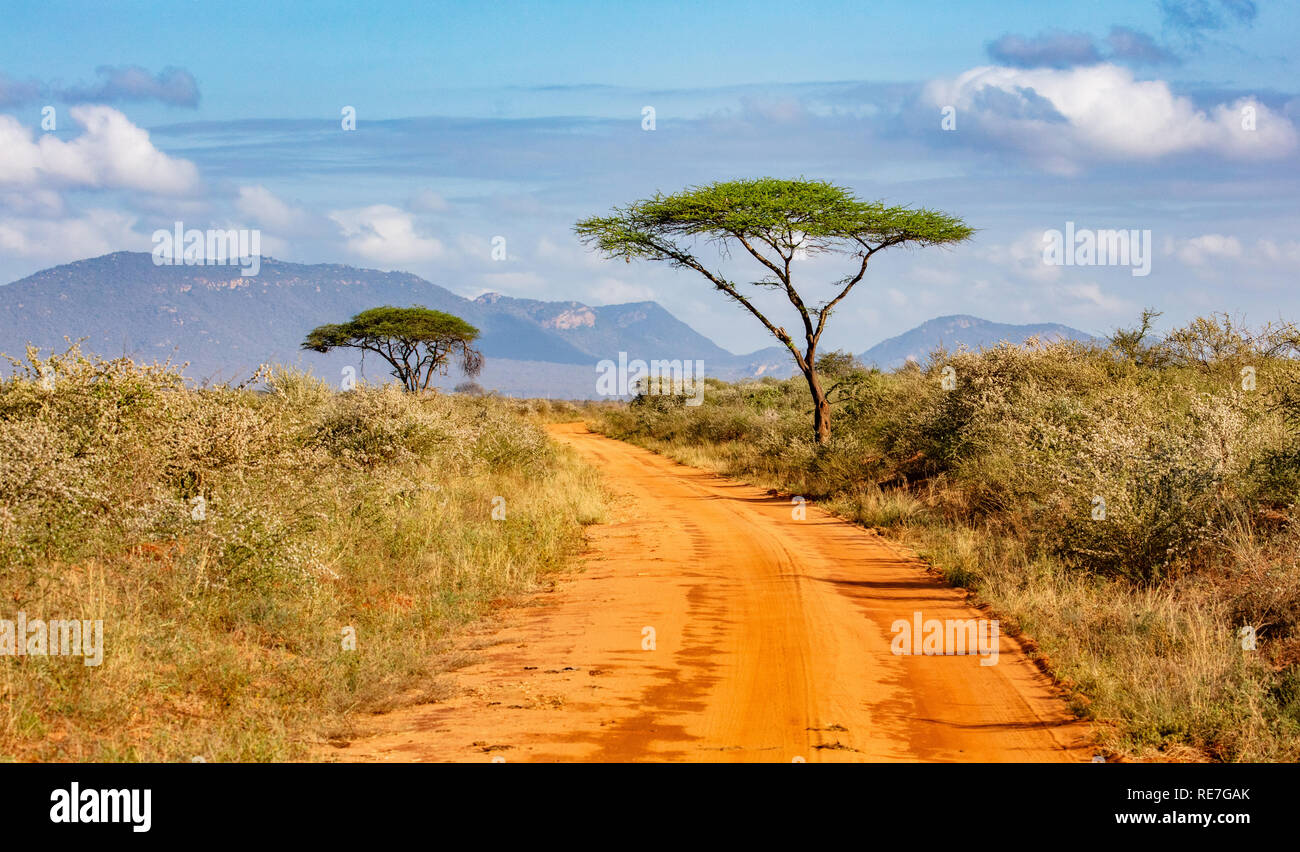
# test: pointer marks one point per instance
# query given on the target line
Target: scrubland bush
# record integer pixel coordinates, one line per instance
(1110, 475)
(228, 538)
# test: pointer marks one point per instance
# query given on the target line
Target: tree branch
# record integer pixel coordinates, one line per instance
(784, 277)
(685, 259)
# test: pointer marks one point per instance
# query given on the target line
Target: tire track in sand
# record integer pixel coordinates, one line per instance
(772, 643)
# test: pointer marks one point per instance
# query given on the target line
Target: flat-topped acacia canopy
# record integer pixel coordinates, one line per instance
(775, 221)
(416, 341)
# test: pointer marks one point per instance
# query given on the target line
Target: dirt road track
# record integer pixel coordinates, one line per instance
(771, 643)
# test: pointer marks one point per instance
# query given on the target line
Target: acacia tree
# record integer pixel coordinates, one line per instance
(776, 222)
(416, 341)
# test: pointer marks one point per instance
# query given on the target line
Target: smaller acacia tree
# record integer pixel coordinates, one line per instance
(415, 341)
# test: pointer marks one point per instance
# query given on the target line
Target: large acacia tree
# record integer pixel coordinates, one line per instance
(776, 222)
(415, 341)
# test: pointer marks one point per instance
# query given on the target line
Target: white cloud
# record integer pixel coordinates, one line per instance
(110, 153)
(1198, 251)
(428, 201)
(385, 234)
(97, 232)
(33, 202)
(1211, 256)
(614, 291)
(1092, 295)
(263, 207)
(1022, 256)
(1102, 111)
(1279, 252)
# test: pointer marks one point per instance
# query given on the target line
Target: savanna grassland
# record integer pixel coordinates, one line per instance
(1192, 443)
(232, 540)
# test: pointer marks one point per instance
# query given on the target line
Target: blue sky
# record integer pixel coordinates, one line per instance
(514, 121)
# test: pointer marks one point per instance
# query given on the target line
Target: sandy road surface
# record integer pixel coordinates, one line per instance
(771, 643)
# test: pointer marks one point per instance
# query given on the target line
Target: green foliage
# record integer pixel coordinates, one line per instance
(838, 364)
(809, 215)
(775, 222)
(1029, 437)
(415, 341)
(1132, 343)
(997, 481)
(376, 427)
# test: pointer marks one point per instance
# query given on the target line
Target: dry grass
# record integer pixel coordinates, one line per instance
(369, 511)
(994, 483)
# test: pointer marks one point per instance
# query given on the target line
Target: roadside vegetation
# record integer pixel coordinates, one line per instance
(230, 539)
(1130, 506)
(779, 224)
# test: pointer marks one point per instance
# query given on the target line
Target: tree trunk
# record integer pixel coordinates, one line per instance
(821, 408)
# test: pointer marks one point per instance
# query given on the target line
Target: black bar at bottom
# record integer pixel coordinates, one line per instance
(615, 804)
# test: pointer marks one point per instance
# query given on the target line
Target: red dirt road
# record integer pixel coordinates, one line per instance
(771, 642)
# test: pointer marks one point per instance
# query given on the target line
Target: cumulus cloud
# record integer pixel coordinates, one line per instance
(428, 201)
(33, 202)
(1284, 252)
(1046, 50)
(174, 86)
(1199, 251)
(1137, 48)
(1091, 295)
(608, 290)
(1060, 50)
(1022, 257)
(385, 234)
(1195, 16)
(1019, 103)
(1206, 253)
(266, 209)
(59, 240)
(18, 92)
(1108, 115)
(110, 153)
(1186, 20)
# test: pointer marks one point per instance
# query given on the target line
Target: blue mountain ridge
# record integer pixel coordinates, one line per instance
(225, 325)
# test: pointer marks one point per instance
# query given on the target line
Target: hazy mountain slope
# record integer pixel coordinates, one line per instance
(224, 325)
(954, 331)
(642, 329)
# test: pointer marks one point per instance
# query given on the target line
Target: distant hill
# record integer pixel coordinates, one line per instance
(598, 331)
(959, 330)
(225, 325)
